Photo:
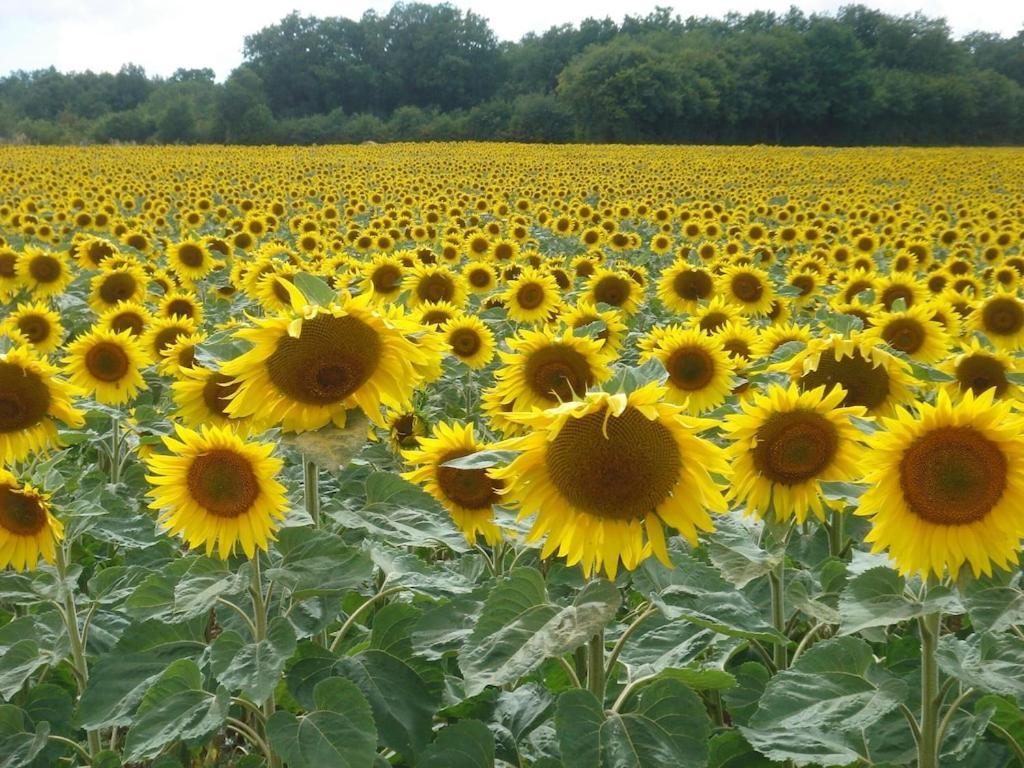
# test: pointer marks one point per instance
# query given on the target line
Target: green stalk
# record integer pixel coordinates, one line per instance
(595, 666)
(260, 622)
(78, 661)
(115, 450)
(311, 487)
(836, 533)
(928, 745)
(776, 578)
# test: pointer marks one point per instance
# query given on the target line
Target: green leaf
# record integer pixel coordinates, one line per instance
(253, 668)
(174, 709)
(731, 750)
(518, 628)
(205, 581)
(17, 663)
(403, 707)
(994, 607)
(878, 597)
(314, 562)
(482, 460)
(696, 592)
(817, 712)
(692, 653)
(19, 746)
(628, 378)
(516, 714)
(120, 678)
(466, 744)
(735, 551)
(315, 289)
(990, 663)
(339, 732)
(667, 726)
(742, 699)
(1006, 716)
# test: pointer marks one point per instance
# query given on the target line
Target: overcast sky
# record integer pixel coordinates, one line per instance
(162, 35)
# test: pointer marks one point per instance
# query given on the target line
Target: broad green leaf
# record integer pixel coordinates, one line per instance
(990, 663)
(878, 597)
(17, 663)
(994, 607)
(206, 580)
(735, 551)
(315, 562)
(667, 725)
(315, 289)
(482, 460)
(696, 592)
(1006, 716)
(516, 714)
(18, 745)
(817, 712)
(465, 744)
(253, 668)
(120, 678)
(519, 628)
(751, 680)
(339, 732)
(310, 664)
(730, 750)
(685, 650)
(175, 708)
(403, 707)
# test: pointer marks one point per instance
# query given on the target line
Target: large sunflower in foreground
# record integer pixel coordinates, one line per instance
(785, 443)
(603, 476)
(304, 372)
(32, 398)
(108, 365)
(217, 490)
(469, 495)
(545, 368)
(945, 486)
(27, 528)
(871, 376)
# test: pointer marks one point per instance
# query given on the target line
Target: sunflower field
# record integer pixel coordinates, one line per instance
(473, 455)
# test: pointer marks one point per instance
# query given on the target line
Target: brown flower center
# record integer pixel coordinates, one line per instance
(690, 368)
(223, 483)
(24, 398)
(44, 269)
(613, 290)
(435, 287)
(865, 384)
(191, 255)
(20, 514)
(953, 475)
(905, 334)
(693, 285)
(558, 372)
(107, 361)
(35, 328)
(465, 342)
(119, 286)
(469, 488)
(747, 288)
(794, 447)
(530, 296)
(218, 391)
(1002, 316)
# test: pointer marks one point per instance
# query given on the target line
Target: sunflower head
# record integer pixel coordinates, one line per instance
(28, 529)
(469, 340)
(106, 364)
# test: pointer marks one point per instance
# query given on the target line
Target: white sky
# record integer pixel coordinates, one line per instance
(162, 35)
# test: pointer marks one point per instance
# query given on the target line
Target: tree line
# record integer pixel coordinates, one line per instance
(434, 72)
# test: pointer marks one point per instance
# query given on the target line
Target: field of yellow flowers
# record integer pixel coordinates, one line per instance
(474, 455)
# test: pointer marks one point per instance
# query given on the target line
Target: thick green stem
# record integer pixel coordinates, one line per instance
(595, 666)
(311, 487)
(928, 746)
(115, 450)
(836, 533)
(75, 638)
(260, 623)
(776, 577)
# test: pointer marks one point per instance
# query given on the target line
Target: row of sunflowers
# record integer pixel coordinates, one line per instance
(492, 454)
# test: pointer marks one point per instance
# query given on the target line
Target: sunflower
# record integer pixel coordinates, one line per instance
(181, 304)
(785, 443)
(774, 336)
(31, 399)
(435, 314)
(10, 282)
(217, 489)
(107, 365)
(1001, 318)
(38, 325)
(615, 288)
(180, 356)
(126, 316)
(111, 287)
(944, 486)
(202, 396)
(683, 286)
(605, 474)
(191, 259)
(912, 332)
(470, 340)
(382, 277)
(738, 340)
(160, 336)
(93, 251)
(889, 290)
(533, 296)
(544, 368)
(28, 530)
(871, 377)
(480, 276)
(978, 369)
(700, 371)
(469, 495)
(44, 273)
(274, 289)
(304, 372)
(748, 288)
(432, 283)
(714, 316)
(405, 429)
(610, 328)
